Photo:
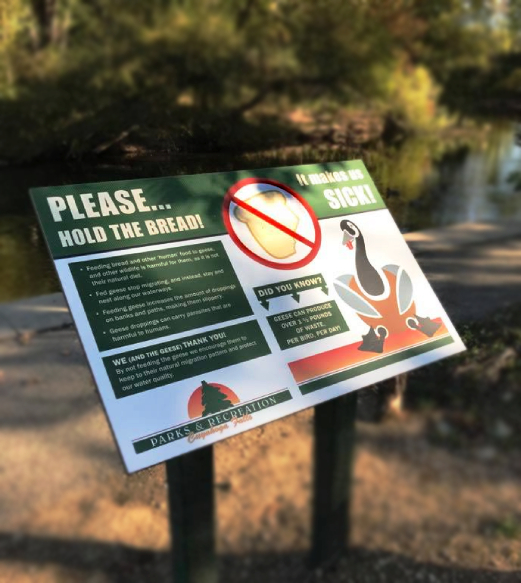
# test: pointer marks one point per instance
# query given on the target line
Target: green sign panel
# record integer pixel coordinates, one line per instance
(307, 324)
(89, 218)
(149, 295)
(148, 368)
(199, 429)
(293, 287)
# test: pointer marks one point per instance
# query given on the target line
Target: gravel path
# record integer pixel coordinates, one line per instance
(421, 512)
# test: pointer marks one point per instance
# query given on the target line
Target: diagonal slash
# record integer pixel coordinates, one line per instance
(271, 221)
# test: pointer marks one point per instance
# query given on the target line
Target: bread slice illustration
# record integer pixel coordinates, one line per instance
(272, 239)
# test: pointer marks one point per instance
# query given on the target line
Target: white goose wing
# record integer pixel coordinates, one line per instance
(352, 299)
(404, 288)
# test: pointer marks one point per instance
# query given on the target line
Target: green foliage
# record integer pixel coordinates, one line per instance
(498, 86)
(514, 21)
(509, 527)
(76, 76)
(412, 94)
(467, 31)
(20, 243)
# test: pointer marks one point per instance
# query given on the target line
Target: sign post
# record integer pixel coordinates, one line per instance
(192, 516)
(334, 432)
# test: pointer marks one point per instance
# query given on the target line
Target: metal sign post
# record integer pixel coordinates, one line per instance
(191, 496)
(334, 430)
(192, 516)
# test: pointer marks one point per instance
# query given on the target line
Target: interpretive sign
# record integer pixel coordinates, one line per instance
(211, 304)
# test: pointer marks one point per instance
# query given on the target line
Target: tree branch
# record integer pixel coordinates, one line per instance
(278, 85)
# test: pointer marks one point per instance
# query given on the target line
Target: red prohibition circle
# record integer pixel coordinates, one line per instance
(314, 246)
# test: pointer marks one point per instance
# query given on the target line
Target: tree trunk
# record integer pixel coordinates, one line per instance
(44, 12)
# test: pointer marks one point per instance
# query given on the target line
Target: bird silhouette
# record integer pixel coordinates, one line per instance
(382, 298)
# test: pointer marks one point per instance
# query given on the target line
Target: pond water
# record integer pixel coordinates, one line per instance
(485, 185)
(442, 183)
(426, 183)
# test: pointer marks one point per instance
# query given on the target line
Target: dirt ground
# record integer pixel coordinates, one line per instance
(423, 509)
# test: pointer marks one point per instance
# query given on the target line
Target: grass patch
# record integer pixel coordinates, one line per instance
(509, 528)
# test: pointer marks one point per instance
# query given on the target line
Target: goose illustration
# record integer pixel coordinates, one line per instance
(382, 298)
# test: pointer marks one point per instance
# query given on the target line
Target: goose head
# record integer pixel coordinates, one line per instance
(369, 278)
(350, 233)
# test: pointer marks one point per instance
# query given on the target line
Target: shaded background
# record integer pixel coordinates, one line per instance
(428, 95)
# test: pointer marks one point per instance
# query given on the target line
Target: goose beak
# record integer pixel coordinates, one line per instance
(347, 240)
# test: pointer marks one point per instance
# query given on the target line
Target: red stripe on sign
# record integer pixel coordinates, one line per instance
(347, 356)
(271, 221)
